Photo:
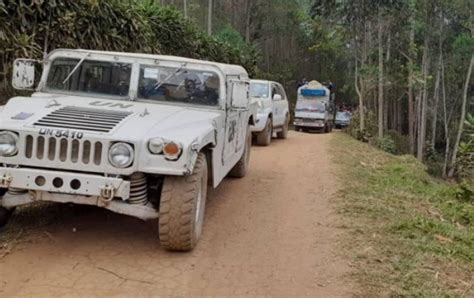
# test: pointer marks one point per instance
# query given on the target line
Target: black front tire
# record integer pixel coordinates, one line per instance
(242, 166)
(264, 138)
(182, 205)
(283, 134)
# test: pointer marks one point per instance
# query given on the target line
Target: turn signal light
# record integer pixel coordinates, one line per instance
(172, 150)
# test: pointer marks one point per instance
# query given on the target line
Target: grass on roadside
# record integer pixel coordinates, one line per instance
(410, 235)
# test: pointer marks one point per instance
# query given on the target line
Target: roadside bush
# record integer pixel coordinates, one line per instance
(370, 123)
(386, 144)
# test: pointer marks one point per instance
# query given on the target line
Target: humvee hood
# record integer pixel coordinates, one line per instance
(115, 119)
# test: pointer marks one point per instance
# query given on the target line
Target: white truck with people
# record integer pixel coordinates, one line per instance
(273, 114)
(138, 134)
(315, 108)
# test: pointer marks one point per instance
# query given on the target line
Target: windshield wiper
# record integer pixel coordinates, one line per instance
(168, 78)
(75, 68)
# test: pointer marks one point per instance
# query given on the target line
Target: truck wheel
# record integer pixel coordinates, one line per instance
(284, 132)
(241, 167)
(182, 204)
(264, 138)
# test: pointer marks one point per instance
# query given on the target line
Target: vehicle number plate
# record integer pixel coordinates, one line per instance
(61, 133)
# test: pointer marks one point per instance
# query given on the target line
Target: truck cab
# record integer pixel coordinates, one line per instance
(138, 134)
(272, 113)
(314, 108)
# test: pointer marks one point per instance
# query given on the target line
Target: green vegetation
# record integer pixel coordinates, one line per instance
(26, 27)
(410, 233)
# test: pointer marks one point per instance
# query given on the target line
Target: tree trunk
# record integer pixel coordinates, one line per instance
(437, 87)
(435, 104)
(185, 8)
(411, 114)
(424, 102)
(209, 18)
(380, 79)
(361, 99)
(248, 15)
(461, 121)
(446, 123)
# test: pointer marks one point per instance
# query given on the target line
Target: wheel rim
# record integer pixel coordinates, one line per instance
(198, 218)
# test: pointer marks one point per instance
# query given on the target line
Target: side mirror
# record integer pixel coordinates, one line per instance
(277, 97)
(23, 74)
(240, 94)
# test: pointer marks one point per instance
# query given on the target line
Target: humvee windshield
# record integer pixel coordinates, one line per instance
(259, 90)
(101, 77)
(180, 85)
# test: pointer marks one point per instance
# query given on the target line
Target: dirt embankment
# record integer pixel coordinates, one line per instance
(273, 232)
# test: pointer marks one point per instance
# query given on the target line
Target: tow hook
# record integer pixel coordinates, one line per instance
(107, 194)
(5, 181)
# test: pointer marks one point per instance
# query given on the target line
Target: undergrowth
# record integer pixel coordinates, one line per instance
(411, 234)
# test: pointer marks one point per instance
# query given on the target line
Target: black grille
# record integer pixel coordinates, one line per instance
(83, 118)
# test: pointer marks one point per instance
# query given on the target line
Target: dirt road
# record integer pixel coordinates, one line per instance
(273, 233)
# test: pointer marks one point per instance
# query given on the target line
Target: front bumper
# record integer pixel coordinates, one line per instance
(28, 186)
(139, 211)
(342, 123)
(306, 123)
(64, 182)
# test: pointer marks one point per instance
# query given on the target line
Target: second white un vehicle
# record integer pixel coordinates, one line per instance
(273, 114)
(141, 135)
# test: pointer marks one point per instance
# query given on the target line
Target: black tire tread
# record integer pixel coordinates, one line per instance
(262, 137)
(284, 133)
(241, 167)
(177, 203)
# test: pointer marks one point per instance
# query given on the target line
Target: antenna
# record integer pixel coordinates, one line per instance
(45, 50)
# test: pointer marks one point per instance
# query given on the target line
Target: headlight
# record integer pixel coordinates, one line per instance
(121, 155)
(155, 146)
(8, 143)
(171, 150)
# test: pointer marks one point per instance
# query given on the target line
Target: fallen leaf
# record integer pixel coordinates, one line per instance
(443, 239)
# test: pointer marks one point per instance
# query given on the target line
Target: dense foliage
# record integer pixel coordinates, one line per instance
(28, 27)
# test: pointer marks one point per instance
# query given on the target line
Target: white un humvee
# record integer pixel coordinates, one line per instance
(141, 135)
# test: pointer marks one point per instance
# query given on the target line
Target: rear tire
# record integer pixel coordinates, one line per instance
(182, 205)
(241, 167)
(264, 138)
(283, 134)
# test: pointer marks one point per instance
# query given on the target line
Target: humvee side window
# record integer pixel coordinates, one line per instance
(179, 85)
(108, 78)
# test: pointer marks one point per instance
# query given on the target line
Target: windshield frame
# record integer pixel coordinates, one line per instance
(135, 60)
(45, 88)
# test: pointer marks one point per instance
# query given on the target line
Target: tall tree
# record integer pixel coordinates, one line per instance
(381, 105)
(462, 118)
(209, 18)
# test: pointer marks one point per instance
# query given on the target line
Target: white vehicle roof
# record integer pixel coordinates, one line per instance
(263, 81)
(227, 69)
(314, 85)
